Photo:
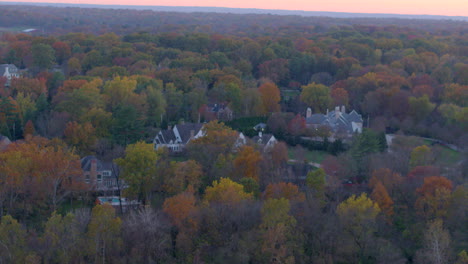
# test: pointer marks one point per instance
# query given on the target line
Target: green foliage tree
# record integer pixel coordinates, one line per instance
(279, 239)
(139, 170)
(317, 96)
(12, 241)
(104, 234)
(43, 56)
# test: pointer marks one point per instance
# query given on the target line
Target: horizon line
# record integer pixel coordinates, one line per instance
(232, 8)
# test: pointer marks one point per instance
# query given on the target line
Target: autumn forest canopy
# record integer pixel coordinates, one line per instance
(109, 85)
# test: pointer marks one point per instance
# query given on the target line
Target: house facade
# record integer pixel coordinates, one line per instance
(340, 122)
(4, 142)
(9, 71)
(99, 175)
(177, 137)
(267, 141)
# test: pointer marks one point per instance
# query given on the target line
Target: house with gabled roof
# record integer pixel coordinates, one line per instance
(340, 122)
(177, 137)
(100, 175)
(9, 71)
(266, 141)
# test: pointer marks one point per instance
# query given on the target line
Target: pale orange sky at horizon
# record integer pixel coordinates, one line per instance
(414, 7)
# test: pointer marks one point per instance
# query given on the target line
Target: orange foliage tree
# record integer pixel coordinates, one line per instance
(283, 190)
(381, 197)
(270, 95)
(434, 197)
(247, 162)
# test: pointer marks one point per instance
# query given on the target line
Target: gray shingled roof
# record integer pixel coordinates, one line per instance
(185, 130)
(263, 140)
(101, 166)
(343, 122)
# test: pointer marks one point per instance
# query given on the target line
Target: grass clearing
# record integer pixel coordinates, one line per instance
(315, 156)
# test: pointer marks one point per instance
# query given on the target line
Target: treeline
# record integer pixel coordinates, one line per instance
(400, 80)
(108, 93)
(228, 204)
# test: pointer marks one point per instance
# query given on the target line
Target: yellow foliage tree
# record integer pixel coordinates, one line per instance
(226, 191)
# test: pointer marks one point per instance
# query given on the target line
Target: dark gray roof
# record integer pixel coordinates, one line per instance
(316, 119)
(341, 122)
(185, 130)
(260, 126)
(101, 166)
(262, 140)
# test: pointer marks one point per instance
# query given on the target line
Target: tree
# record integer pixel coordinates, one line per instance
(12, 241)
(436, 241)
(73, 66)
(456, 94)
(421, 156)
(28, 129)
(357, 216)
(297, 126)
(156, 106)
(120, 91)
(390, 180)
(185, 174)
(43, 56)
(147, 237)
(380, 196)
(62, 51)
(339, 97)
(276, 70)
(283, 190)
(104, 234)
(279, 239)
(434, 197)
(270, 95)
(59, 169)
(61, 239)
(180, 209)
(246, 163)
(139, 170)
(420, 108)
(317, 96)
(316, 181)
(127, 125)
(227, 192)
(81, 136)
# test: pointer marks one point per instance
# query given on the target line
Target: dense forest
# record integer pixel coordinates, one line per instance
(104, 82)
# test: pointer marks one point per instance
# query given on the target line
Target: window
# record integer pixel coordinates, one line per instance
(106, 173)
(99, 178)
(87, 180)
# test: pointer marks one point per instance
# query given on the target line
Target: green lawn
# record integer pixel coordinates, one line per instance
(311, 155)
(446, 156)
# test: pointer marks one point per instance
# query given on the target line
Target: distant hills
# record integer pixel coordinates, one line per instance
(196, 9)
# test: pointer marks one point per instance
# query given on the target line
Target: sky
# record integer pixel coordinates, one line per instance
(415, 7)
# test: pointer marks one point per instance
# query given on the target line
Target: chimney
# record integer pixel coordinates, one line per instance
(343, 109)
(192, 133)
(337, 112)
(93, 170)
(309, 112)
(260, 134)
